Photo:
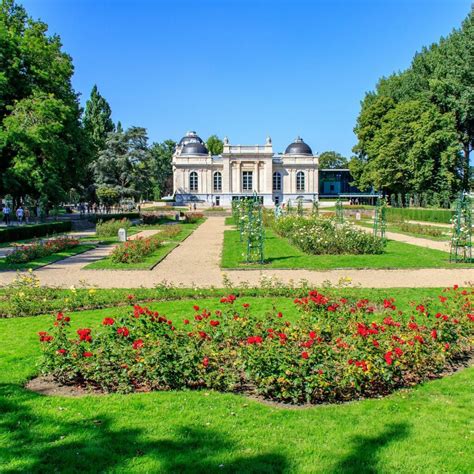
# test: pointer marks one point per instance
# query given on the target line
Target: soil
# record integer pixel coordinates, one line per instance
(46, 385)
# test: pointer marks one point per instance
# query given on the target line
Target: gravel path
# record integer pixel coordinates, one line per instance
(195, 262)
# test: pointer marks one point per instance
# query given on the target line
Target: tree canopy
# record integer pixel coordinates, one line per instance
(332, 159)
(415, 132)
(215, 145)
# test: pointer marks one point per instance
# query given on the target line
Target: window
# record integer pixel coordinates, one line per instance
(217, 181)
(193, 181)
(276, 181)
(247, 180)
(300, 181)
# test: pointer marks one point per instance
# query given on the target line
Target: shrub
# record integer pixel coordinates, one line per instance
(324, 236)
(193, 217)
(10, 234)
(111, 227)
(169, 231)
(395, 214)
(337, 350)
(422, 229)
(27, 253)
(115, 216)
(136, 250)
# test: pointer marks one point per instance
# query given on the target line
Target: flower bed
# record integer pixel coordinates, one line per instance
(319, 236)
(28, 253)
(135, 250)
(337, 350)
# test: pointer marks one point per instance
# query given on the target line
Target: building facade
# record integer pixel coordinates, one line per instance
(242, 171)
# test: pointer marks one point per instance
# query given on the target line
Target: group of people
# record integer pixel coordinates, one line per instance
(22, 214)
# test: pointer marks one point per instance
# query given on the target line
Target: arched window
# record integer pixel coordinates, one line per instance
(217, 181)
(193, 181)
(300, 181)
(276, 181)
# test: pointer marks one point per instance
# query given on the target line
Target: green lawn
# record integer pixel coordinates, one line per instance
(425, 429)
(151, 260)
(41, 262)
(279, 253)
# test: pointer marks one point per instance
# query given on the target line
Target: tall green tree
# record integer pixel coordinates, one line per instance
(160, 168)
(215, 145)
(98, 119)
(332, 159)
(43, 148)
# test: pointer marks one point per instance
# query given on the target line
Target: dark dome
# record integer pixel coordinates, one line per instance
(190, 137)
(298, 147)
(194, 148)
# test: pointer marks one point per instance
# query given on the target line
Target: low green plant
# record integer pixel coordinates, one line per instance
(136, 250)
(421, 229)
(111, 227)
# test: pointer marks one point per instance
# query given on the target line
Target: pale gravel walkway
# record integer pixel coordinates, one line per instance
(196, 262)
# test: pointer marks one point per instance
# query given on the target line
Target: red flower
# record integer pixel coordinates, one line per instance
(137, 344)
(388, 357)
(280, 315)
(108, 321)
(434, 334)
(186, 321)
(398, 351)
(196, 307)
(304, 355)
(202, 334)
(446, 346)
(130, 297)
(214, 323)
(375, 343)
(87, 354)
(312, 335)
(205, 361)
(59, 316)
(123, 331)
(198, 317)
(254, 340)
(245, 305)
(62, 351)
(84, 335)
(443, 299)
(45, 337)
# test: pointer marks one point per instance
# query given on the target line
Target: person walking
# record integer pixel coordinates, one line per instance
(27, 215)
(19, 215)
(6, 214)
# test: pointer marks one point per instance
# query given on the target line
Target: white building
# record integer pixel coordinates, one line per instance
(243, 170)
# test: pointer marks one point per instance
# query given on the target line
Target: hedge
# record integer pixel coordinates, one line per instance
(443, 216)
(118, 216)
(9, 234)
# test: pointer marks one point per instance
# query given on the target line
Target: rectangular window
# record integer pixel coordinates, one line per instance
(247, 180)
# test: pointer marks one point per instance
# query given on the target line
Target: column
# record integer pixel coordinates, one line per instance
(256, 180)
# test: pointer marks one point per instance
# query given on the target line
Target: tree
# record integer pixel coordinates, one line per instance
(120, 169)
(97, 120)
(43, 148)
(215, 145)
(160, 168)
(413, 128)
(332, 159)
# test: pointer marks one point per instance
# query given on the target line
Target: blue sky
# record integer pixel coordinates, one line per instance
(243, 68)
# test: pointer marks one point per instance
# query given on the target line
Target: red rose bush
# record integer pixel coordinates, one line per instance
(337, 350)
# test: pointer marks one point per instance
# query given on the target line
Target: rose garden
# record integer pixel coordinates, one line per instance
(145, 333)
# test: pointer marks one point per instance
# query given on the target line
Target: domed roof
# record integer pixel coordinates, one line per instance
(298, 147)
(190, 137)
(194, 148)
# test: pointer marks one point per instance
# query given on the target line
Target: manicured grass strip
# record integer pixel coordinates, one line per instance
(41, 262)
(207, 432)
(151, 260)
(279, 253)
(229, 221)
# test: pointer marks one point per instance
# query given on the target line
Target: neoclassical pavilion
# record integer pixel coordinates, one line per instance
(243, 170)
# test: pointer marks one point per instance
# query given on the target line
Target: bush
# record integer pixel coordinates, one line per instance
(10, 234)
(152, 218)
(111, 227)
(338, 350)
(422, 229)
(27, 253)
(116, 216)
(320, 236)
(395, 214)
(136, 250)
(193, 217)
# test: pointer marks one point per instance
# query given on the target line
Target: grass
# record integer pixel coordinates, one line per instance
(41, 262)
(151, 260)
(279, 253)
(425, 429)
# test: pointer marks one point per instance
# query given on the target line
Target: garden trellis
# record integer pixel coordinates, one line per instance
(380, 218)
(339, 212)
(461, 238)
(253, 232)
